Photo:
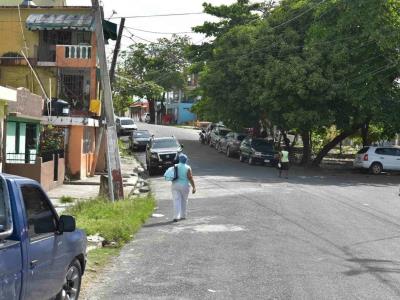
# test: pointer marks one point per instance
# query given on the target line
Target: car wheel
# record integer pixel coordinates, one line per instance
(251, 160)
(241, 157)
(376, 168)
(228, 152)
(72, 282)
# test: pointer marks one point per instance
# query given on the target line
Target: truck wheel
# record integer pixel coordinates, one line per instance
(72, 283)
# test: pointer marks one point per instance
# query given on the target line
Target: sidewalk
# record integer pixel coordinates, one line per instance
(89, 187)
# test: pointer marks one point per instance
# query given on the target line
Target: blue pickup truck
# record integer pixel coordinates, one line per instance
(42, 255)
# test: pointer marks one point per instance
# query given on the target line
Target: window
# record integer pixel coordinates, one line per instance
(41, 219)
(386, 151)
(363, 150)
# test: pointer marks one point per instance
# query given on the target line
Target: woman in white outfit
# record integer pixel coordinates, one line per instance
(181, 188)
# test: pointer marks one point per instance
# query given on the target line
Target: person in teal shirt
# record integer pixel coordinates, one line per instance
(181, 188)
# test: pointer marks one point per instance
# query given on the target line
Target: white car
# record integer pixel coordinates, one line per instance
(378, 159)
(125, 125)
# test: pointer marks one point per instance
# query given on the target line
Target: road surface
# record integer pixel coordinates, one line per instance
(251, 235)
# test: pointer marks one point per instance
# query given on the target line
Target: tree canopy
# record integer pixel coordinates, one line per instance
(306, 66)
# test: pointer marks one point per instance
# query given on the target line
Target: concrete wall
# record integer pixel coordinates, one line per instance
(41, 172)
(27, 104)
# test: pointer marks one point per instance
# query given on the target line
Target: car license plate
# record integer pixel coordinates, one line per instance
(266, 160)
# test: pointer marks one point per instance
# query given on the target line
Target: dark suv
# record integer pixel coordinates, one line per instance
(162, 153)
(258, 151)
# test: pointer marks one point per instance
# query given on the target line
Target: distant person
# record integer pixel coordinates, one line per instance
(284, 163)
(181, 188)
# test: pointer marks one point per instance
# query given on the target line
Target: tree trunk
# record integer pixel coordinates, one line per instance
(365, 134)
(305, 136)
(152, 111)
(328, 147)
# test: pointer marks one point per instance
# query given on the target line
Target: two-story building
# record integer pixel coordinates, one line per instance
(60, 45)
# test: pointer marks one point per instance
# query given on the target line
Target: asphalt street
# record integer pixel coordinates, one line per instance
(251, 235)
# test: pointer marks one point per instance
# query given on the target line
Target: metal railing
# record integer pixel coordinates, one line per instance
(21, 158)
(78, 51)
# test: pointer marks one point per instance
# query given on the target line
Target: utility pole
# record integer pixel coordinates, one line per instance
(115, 184)
(116, 51)
(112, 73)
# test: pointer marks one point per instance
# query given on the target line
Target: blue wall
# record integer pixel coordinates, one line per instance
(184, 114)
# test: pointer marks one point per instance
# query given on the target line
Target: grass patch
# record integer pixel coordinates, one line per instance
(123, 148)
(116, 222)
(66, 199)
(98, 258)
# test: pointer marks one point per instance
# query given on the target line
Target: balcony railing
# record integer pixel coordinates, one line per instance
(78, 52)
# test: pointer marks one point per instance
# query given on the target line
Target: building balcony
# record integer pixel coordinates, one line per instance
(75, 56)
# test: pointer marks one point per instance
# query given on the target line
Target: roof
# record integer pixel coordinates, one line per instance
(83, 22)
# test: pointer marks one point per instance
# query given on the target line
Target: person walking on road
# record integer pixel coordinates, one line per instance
(181, 188)
(284, 163)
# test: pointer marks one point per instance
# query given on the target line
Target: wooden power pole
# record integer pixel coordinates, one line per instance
(116, 51)
(115, 183)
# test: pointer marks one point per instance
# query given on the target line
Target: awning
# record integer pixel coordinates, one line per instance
(60, 21)
(110, 30)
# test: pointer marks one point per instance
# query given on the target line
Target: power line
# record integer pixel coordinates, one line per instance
(299, 15)
(161, 15)
(158, 32)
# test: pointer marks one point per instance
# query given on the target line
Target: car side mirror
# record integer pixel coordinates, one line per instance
(181, 146)
(66, 224)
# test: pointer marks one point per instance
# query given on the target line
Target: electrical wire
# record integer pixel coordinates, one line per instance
(157, 32)
(161, 15)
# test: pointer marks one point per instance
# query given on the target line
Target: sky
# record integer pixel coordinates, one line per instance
(126, 8)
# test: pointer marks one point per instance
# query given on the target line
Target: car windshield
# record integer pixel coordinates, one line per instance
(241, 137)
(171, 143)
(127, 122)
(262, 145)
(141, 134)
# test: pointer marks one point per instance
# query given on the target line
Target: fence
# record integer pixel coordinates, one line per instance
(48, 169)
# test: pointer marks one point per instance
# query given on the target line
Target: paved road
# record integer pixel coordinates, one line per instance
(250, 235)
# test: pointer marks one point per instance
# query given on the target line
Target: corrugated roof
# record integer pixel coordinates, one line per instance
(60, 21)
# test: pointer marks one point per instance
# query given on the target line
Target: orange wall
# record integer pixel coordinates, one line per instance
(75, 145)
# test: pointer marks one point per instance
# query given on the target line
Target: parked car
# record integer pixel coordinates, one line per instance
(210, 127)
(230, 144)
(162, 153)
(378, 159)
(216, 134)
(139, 139)
(42, 255)
(125, 125)
(256, 150)
(147, 117)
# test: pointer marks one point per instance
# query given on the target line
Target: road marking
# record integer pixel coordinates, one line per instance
(212, 291)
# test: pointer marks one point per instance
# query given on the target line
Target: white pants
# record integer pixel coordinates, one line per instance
(180, 195)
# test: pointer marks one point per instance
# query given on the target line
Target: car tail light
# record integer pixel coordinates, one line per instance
(365, 157)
